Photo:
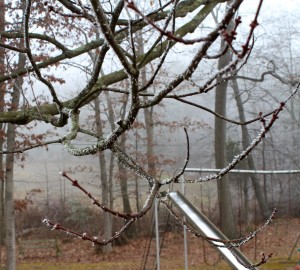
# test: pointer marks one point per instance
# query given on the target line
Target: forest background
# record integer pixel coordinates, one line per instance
(255, 73)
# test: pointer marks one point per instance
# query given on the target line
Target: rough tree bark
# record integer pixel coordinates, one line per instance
(9, 174)
(225, 204)
(9, 202)
(9, 212)
(2, 91)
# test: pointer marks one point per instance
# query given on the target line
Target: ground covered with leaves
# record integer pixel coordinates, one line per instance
(280, 239)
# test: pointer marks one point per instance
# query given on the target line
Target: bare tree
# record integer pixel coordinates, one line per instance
(8, 174)
(225, 202)
(117, 41)
(250, 161)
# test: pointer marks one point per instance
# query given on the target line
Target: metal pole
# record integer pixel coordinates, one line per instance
(157, 235)
(244, 171)
(184, 232)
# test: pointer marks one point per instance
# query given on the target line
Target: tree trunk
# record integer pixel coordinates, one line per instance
(111, 119)
(107, 226)
(9, 202)
(259, 193)
(9, 174)
(136, 178)
(121, 169)
(110, 182)
(150, 141)
(148, 119)
(225, 204)
(148, 116)
(9, 212)
(123, 181)
(2, 132)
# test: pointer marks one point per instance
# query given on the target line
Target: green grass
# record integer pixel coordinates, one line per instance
(279, 264)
